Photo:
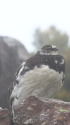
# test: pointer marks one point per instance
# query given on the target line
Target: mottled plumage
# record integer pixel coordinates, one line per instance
(41, 75)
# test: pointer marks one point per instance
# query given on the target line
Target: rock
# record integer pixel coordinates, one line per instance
(12, 54)
(13, 43)
(34, 111)
(5, 117)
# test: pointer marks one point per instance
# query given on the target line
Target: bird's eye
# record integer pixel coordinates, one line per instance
(55, 49)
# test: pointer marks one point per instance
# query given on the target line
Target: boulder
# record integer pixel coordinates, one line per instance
(12, 54)
(34, 111)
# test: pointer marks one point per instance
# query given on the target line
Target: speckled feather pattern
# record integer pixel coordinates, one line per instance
(40, 75)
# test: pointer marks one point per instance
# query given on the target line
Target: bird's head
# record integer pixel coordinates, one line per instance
(49, 50)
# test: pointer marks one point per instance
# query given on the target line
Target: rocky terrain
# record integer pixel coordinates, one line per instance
(35, 111)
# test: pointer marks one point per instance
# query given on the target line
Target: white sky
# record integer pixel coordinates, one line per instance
(20, 18)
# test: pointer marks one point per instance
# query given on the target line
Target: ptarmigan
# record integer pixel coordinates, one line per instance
(41, 75)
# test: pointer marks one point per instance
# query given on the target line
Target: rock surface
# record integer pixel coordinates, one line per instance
(34, 111)
(12, 53)
(5, 117)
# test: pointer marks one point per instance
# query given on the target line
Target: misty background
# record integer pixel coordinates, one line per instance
(25, 26)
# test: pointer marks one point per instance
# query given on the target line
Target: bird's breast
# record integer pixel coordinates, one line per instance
(42, 82)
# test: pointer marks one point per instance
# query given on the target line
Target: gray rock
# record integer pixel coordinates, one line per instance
(12, 54)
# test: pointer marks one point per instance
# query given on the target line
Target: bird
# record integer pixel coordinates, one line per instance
(42, 75)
